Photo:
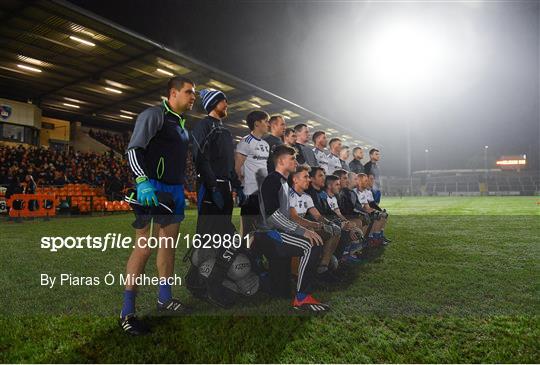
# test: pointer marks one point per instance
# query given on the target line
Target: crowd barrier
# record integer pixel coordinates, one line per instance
(31, 205)
(81, 198)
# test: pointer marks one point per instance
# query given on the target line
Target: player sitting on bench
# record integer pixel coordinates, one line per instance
(301, 205)
(377, 218)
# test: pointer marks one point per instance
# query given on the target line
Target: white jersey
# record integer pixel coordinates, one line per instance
(362, 197)
(322, 159)
(256, 151)
(334, 163)
(332, 202)
(369, 196)
(300, 202)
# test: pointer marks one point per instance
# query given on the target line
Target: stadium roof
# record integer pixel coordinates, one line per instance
(79, 66)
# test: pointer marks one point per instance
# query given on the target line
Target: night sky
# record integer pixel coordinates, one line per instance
(311, 53)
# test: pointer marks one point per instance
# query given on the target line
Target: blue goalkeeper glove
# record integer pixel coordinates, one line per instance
(240, 194)
(146, 194)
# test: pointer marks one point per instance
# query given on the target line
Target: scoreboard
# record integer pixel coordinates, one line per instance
(515, 162)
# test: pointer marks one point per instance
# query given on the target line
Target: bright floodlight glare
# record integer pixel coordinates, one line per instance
(165, 72)
(29, 68)
(405, 54)
(83, 41)
(113, 90)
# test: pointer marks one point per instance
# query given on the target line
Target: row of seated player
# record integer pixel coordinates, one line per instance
(329, 222)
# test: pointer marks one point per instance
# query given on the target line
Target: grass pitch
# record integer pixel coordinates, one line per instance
(460, 283)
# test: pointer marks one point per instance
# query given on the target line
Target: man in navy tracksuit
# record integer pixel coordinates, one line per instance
(213, 153)
(157, 154)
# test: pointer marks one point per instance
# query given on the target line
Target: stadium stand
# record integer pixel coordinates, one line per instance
(118, 143)
(115, 141)
(397, 186)
(83, 181)
(50, 167)
(465, 182)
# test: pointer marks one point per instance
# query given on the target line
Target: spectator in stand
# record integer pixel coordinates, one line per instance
(114, 187)
(115, 141)
(30, 185)
(3, 174)
(52, 167)
(59, 179)
(14, 187)
(356, 165)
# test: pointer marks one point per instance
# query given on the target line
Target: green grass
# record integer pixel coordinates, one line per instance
(460, 283)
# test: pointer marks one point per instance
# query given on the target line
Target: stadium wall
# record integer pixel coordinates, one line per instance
(19, 122)
(54, 131)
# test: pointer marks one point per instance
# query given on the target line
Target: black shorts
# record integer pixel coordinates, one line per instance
(172, 195)
(251, 206)
(142, 219)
